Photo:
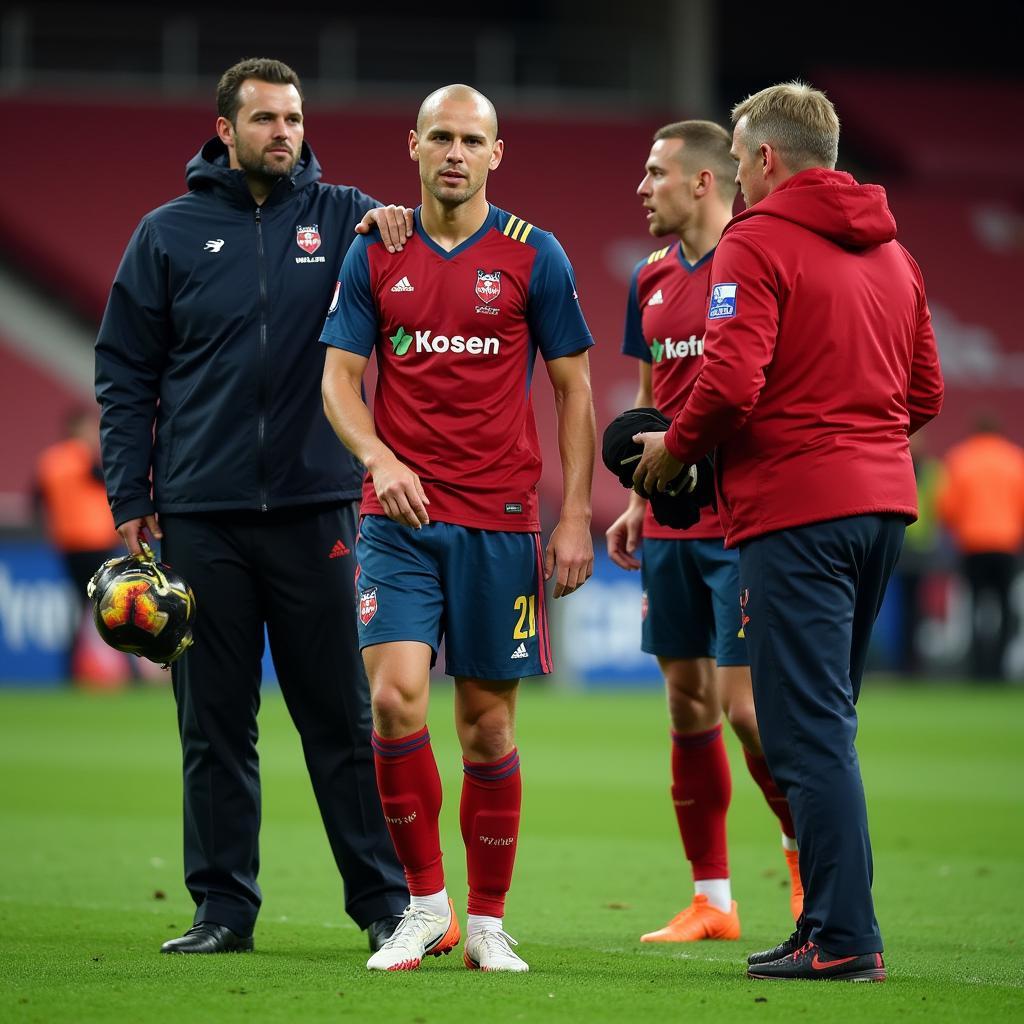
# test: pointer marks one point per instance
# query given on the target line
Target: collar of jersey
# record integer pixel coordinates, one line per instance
(691, 267)
(489, 221)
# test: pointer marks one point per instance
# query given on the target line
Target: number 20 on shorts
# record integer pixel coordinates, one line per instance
(526, 606)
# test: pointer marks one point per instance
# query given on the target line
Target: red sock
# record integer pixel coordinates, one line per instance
(776, 801)
(701, 791)
(492, 795)
(410, 793)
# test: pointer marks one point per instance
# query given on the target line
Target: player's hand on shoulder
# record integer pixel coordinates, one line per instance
(623, 537)
(399, 491)
(395, 224)
(570, 554)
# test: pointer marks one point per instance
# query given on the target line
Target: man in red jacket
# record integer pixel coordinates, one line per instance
(820, 361)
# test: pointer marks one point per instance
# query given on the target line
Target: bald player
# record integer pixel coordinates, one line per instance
(450, 542)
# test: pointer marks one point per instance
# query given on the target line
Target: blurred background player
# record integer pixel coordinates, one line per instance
(981, 503)
(691, 610)
(449, 543)
(810, 396)
(73, 501)
(210, 334)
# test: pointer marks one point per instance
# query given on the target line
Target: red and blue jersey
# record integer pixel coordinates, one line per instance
(456, 335)
(665, 327)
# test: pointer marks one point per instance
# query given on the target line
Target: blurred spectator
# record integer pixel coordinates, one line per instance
(981, 501)
(72, 500)
(920, 548)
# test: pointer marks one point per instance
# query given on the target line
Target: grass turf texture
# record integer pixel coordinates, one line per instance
(90, 870)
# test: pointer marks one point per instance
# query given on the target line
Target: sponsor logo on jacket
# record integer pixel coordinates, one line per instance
(723, 300)
(308, 239)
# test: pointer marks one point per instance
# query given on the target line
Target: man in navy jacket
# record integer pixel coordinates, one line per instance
(214, 439)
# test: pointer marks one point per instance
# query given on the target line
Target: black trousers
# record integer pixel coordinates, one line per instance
(812, 594)
(990, 576)
(293, 571)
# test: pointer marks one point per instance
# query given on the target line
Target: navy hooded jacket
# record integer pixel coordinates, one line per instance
(211, 332)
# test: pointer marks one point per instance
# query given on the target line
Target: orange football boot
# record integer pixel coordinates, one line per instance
(796, 886)
(700, 920)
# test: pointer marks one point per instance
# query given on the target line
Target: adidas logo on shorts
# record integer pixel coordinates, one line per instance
(521, 652)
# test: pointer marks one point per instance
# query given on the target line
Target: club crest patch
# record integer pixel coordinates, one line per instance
(723, 301)
(488, 285)
(308, 238)
(367, 605)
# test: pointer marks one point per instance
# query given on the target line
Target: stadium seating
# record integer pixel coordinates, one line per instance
(937, 130)
(33, 405)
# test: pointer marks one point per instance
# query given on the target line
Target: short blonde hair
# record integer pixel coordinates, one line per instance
(796, 120)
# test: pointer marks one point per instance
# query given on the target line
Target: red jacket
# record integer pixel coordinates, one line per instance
(820, 360)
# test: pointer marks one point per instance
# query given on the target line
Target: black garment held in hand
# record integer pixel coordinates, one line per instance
(679, 505)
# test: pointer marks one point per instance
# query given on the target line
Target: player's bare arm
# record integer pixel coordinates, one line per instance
(398, 488)
(624, 535)
(570, 549)
(395, 224)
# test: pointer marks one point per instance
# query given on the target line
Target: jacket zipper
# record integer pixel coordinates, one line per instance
(262, 363)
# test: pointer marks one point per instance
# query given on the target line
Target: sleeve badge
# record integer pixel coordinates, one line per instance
(723, 301)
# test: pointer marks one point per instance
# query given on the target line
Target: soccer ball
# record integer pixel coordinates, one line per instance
(143, 607)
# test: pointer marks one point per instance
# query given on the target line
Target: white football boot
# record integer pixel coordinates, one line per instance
(492, 951)
(418, 934)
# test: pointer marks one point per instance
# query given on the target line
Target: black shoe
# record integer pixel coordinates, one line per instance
(785, 948)
(379, 931)
(812, 963)
(208, 937)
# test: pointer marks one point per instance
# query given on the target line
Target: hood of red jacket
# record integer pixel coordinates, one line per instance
(832, 204)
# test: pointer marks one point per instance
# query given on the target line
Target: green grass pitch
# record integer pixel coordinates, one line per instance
(90, 868)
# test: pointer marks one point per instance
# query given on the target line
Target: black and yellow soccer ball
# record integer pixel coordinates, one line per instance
(143, 607)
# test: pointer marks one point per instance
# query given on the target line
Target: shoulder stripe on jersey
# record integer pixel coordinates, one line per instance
(658, 254)
(516, 225)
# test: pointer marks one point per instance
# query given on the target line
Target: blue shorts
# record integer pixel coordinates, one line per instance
(481, 590)
(691, 601)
